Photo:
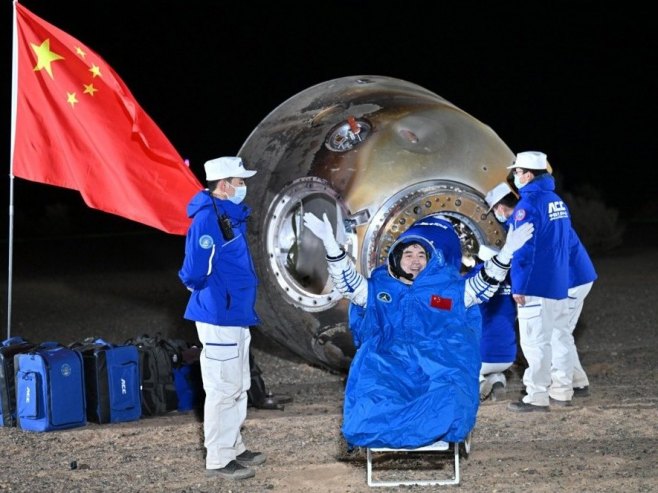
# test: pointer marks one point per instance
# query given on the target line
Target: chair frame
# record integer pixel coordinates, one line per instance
(437, 447)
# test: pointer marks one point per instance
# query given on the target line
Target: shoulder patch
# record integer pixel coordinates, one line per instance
(206, 242)
(384, 296)
(519, 215)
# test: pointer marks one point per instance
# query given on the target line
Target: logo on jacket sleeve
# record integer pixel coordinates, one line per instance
(384, 296)
(205, 242)
(519, 215)
(441, 303)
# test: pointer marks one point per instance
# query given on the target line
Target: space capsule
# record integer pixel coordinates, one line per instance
(375, 154)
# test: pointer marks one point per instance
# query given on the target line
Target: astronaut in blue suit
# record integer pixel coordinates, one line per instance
(415, 377)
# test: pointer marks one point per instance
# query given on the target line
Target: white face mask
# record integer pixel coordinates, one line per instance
(240, 194)
(517, 182)
(500, 217)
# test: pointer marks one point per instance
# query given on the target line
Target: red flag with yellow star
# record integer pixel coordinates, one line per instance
(78, 126)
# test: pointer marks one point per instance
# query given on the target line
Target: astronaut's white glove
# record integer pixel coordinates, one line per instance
(323, 230)
(516, 238)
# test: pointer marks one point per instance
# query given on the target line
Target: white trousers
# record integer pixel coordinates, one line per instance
(577, 297)
(542, 321)
(226, 379)
(491, 373)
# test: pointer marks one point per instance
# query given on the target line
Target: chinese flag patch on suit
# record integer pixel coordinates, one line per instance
(437, 301)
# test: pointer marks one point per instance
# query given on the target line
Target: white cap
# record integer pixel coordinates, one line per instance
(485, 253)
(530, 160)
(226, 167)
(497, 193)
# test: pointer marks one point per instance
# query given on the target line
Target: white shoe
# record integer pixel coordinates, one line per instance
(485, 389)
(498, 391)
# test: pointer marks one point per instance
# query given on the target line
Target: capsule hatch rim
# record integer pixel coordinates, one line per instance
(282, 207)
(460, 204)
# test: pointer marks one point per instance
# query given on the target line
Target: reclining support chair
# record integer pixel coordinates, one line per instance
(437, 447)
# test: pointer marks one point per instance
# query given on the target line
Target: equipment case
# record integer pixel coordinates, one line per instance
(112, 381)
(50, 388)
(9, 348)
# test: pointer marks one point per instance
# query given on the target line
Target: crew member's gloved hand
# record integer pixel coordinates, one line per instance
(323, 230)
(516, 238)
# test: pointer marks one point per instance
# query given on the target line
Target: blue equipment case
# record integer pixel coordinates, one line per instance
(189, 386)
(50, 388)
(8, 349)
(112, 381)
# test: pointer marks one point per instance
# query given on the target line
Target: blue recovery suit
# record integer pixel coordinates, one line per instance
(415, 376)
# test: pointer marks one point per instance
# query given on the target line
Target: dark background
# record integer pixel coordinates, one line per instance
(573, 79)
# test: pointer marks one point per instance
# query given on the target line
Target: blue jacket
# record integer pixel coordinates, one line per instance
(581, 268)
(220, 273)
(498, 344)
(415, 376)
(541, 266)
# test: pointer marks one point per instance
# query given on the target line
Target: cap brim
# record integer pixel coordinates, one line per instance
(245, 174)
(496, 200)
(526, 167)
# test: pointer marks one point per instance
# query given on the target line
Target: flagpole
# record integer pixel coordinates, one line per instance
(14, 98)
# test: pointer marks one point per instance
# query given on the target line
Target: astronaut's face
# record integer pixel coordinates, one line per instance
(414, 260)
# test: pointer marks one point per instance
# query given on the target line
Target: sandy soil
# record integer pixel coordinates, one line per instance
(606, 442)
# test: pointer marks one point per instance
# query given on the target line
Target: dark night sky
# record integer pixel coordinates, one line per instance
(573, 79)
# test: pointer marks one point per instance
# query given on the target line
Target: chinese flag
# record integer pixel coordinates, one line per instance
(78, 126)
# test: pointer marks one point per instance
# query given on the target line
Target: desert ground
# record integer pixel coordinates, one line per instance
(116, 287)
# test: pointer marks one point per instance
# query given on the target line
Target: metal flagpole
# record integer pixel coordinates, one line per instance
(14, 98)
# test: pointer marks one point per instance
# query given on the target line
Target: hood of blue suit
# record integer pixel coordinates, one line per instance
(437, 236)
